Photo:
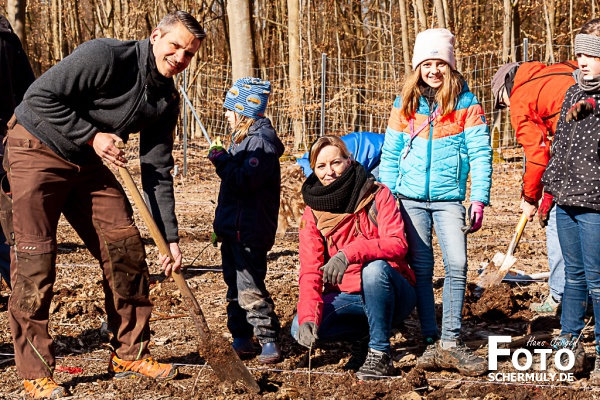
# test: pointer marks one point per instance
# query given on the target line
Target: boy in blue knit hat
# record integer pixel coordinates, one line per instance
(246, 216)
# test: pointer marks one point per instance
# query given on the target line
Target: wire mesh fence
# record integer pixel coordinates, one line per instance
(340, 96)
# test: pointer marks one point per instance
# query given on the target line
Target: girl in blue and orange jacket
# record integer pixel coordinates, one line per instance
(436, 136)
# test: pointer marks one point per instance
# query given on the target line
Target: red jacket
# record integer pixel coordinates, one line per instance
(535, 102)
(361, 241)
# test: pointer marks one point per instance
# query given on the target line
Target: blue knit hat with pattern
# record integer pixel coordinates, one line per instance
(248, 96)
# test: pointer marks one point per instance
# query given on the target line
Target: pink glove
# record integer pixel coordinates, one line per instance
(476, 215)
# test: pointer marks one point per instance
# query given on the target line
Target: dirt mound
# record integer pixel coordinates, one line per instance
(497, 302)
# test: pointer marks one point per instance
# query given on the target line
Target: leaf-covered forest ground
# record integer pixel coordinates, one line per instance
(77, 316)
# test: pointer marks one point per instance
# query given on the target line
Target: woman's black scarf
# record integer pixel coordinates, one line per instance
(340, 196)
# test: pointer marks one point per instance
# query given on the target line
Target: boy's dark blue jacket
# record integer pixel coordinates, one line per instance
(250, 184)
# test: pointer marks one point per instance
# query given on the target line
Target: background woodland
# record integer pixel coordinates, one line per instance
(368, 44)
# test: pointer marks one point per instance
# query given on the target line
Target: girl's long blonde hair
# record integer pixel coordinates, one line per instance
(240, 131)
(446, 96)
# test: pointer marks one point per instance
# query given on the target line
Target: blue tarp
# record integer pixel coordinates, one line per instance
(365, 148)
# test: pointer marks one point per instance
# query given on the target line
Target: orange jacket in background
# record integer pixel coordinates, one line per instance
(535, 102)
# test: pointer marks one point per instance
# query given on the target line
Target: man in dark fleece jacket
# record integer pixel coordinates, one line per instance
(67, 125)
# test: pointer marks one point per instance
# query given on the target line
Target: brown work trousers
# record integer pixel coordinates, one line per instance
(43, 186)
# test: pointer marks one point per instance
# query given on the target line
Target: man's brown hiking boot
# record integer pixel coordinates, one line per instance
(44, 388)
(144, 367)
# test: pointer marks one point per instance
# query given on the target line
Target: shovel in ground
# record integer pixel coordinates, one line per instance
(216, 350)
(501, 263)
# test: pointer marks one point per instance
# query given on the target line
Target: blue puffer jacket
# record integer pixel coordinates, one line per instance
(365, 148)
(250, 183)
(438, 161)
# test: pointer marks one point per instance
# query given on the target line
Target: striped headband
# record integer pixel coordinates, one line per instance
(587, 44)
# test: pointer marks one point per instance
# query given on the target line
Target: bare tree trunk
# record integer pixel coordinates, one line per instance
(310, 51)
(405, 48)
(392, 43)
(446, 14)
(62, 43)
(571, 35)
(294, 67)
(76, 23)
(279, 16)
(260, 56)
(548, 14)
(467, 19)
(240, 33)
(420, 7)
(15, 10)
(415, 19)
(55, 25)
(455, 22)
(513, 57)
(439, 13)
(506, 29)
(516, 30)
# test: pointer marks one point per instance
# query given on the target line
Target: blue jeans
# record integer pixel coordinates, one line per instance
(579, 235)
(448, 217)
(386, 299)
(556, 282)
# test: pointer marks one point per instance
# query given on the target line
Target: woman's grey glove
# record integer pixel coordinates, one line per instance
(333, 271)
(307, 334)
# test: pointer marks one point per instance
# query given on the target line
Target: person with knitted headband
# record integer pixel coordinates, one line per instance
(436, 136)
(534, 93)
(573, 178)
(246, 216)
(354, 281)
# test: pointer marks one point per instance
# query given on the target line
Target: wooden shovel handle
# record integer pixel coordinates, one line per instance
(163, 247)
(219, 354)
(517, 236)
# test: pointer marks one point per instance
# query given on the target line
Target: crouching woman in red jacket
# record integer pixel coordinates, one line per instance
(354, 281)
